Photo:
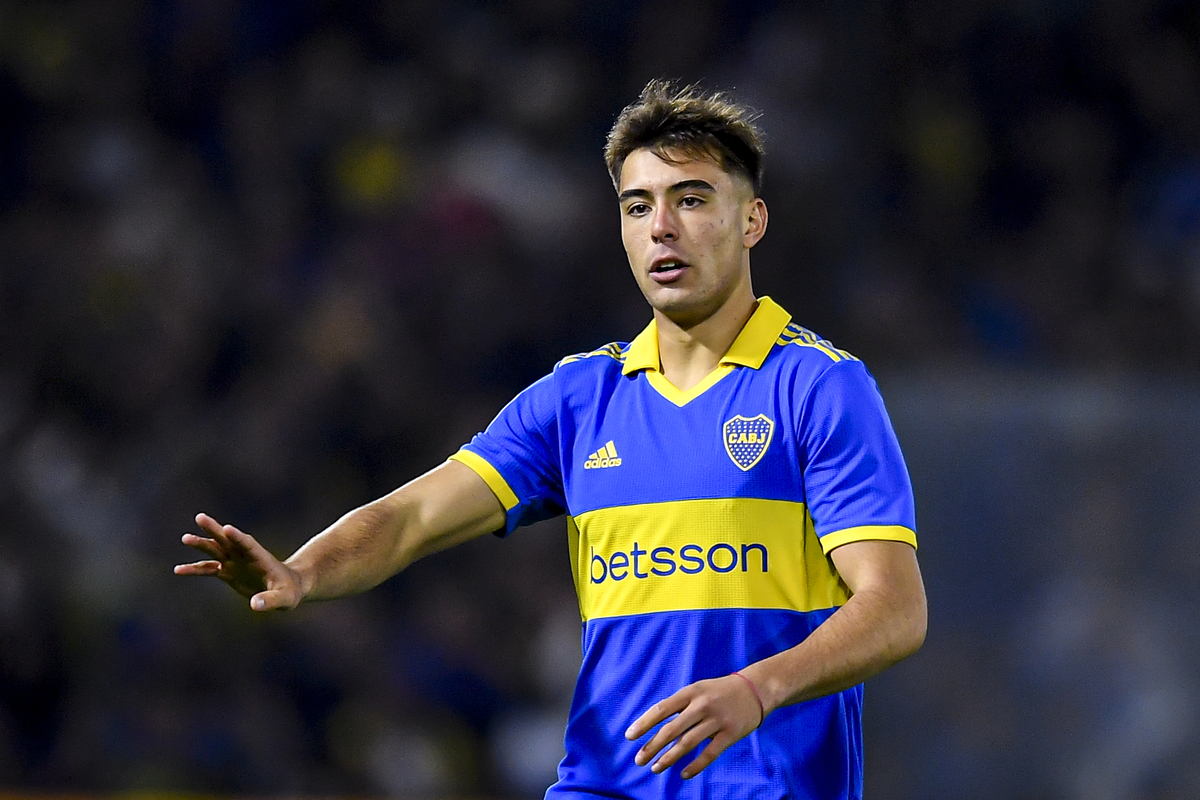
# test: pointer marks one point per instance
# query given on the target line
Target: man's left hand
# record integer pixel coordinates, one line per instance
(722, 710)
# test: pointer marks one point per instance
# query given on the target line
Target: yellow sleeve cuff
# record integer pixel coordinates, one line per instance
(491, 477)
(865, 533)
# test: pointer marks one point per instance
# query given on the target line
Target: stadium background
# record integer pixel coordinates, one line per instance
(269, 259)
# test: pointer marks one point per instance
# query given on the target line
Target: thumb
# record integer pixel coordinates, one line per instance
(272, 600)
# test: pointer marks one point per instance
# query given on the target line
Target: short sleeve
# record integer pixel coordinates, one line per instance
(856, 483)
(517, 455)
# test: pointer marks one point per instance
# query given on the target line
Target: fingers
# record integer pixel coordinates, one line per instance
(242, 543)
(207, 568)
(691, 737)
(237, 559)
(720, 710)
(207, 546)
(668, 732)
(707, 755)
(227, 537)
(209, 525)
(227, 542)
(654, 715)
(219, 548)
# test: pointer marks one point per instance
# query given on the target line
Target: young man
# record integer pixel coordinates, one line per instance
(740, 517)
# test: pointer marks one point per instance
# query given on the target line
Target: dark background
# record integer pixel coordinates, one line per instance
(270, 259)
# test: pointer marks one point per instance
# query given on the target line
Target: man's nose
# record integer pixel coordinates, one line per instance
(664, 227)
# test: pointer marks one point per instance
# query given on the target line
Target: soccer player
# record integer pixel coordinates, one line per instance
(740, 517)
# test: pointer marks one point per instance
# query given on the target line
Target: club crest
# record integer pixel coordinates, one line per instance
(746, 439)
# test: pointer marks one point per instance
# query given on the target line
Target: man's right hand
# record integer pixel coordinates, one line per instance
(244, 564)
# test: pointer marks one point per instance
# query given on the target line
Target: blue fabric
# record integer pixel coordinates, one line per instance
(589, 437)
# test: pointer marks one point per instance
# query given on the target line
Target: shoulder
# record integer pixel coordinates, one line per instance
(577, 377)
(816, 370)
(608, 358)
(573, 378)
(808, 358)
(799, 344)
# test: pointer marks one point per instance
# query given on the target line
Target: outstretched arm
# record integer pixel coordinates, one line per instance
(446, 506)
(883, 622)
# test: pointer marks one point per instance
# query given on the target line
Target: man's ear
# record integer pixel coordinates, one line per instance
(756, 223)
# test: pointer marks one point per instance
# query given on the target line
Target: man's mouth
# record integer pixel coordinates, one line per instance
(667, 270)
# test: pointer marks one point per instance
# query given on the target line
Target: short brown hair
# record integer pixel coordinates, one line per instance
(692, 123)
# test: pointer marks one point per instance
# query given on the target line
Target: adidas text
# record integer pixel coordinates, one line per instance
(604, 457)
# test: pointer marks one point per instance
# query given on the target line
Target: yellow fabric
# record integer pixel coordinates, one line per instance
(718, 550)
(490, 476)
(749, 349)
(865, 533)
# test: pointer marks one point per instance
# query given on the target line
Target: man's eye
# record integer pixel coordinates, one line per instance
(690, 202)
(637, 209)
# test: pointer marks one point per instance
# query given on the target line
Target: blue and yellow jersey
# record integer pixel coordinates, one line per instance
(700, 524)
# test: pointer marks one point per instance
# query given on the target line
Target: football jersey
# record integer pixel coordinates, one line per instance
(700, 524)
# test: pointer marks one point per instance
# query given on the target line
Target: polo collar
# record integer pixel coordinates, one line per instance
(749, 349)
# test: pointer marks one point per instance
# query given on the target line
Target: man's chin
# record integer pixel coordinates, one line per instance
(683, 309)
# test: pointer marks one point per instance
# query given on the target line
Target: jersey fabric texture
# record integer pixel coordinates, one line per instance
(700, 524)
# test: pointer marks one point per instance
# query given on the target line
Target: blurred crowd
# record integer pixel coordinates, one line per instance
(269, 259)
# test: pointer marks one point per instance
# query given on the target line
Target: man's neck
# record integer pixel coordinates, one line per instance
(688, 355)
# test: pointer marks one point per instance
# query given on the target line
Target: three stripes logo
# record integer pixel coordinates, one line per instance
(604, 457)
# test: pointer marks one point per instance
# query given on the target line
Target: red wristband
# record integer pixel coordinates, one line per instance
(762, 712)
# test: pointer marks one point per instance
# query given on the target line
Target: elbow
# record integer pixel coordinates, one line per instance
(914, 624)
(903, 626)
(913, 614)
(917, 635)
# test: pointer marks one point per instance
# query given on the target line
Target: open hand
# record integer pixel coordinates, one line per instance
(722, 710)
(239, 560)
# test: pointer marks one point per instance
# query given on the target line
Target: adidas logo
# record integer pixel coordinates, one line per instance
(604, 457)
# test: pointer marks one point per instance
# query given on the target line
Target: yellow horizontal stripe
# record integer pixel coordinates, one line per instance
(490, 476)
(864, 533)
(700, 554)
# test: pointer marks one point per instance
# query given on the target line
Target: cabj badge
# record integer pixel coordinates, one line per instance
(747, 438)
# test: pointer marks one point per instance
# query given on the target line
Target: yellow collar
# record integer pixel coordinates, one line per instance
(749, 349)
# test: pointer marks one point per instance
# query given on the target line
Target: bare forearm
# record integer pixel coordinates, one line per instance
(356, 553)
(861, 639)
(444, 507)
(883, 622)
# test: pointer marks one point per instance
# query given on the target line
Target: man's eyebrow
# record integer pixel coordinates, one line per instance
(675, 188)
(695, 183)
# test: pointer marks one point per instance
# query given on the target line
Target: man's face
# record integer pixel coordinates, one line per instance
(688, 228)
